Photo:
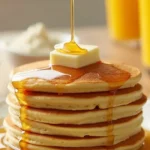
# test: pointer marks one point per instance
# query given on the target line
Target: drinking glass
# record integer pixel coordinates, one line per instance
(123, 19)
(144, 9)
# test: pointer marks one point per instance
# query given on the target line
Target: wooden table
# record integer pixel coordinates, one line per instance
(110, 51)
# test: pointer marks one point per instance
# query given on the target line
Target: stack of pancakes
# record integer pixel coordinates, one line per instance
(86, 116)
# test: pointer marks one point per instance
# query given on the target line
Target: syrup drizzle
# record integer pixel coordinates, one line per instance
(25, 136)
(110, 128)
(72, 47)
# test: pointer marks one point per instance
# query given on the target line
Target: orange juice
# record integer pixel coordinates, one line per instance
(145, 30)
(123, 19)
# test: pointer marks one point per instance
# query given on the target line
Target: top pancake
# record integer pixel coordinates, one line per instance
(88, 82)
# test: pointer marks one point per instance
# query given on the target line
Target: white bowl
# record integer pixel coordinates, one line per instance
(20, 57)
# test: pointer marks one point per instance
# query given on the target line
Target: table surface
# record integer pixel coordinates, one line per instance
(109, 50)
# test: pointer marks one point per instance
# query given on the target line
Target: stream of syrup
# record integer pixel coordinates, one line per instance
(72, 47)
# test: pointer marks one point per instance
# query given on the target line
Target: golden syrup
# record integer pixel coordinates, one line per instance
(23, 145)
(146, 145)
(2, 130)
(60, 88)
(72, 47)
(21, 98)
(110, 128)
(25, 127)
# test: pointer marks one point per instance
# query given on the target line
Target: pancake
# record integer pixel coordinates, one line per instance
(99, 129)
(89, 82)
(76, 117)
(97, 107)
(133, 143)
(82, 101)
(63, 141)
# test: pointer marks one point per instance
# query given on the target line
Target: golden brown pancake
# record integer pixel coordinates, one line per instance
(78, 101)
(133, 143)
(97, 107)
(88, 82)
(65, 141)
(76, 117)
(98, 129)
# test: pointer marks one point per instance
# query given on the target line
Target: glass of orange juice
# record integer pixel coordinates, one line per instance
(123, 19)
(144, 7)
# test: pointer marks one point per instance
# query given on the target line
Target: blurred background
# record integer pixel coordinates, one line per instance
(19, 14)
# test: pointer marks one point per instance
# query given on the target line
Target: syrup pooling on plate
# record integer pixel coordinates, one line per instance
(72, 47)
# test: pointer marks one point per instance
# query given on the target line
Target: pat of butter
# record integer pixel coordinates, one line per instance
(75, 61)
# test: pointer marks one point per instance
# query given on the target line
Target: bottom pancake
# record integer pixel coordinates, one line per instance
(64, 141)
(133, 143)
